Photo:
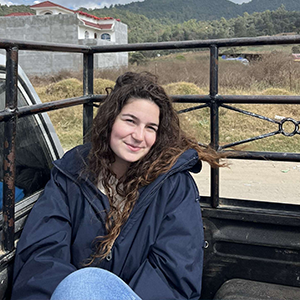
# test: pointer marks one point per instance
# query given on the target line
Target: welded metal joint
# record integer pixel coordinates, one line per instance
(290, 120)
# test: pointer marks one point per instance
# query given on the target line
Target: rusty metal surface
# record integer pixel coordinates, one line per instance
(9, 150)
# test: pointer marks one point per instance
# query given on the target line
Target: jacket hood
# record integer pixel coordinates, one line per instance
(75, 161)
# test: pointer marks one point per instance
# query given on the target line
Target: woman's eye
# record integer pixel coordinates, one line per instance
(129, 120)
(153, 128)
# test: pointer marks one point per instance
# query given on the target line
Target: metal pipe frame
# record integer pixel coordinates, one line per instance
(213, 101)
(9, 151)
(88, 89)
(214, 123)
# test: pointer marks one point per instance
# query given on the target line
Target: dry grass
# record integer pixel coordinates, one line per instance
(68, 122)
(188, 73)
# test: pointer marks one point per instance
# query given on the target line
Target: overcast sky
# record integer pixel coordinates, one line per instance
(75, 4)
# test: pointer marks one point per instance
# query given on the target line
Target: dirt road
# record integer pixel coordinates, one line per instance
(255, 180)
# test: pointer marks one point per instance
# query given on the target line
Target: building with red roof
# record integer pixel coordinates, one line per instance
(58, 24)
(91, 27)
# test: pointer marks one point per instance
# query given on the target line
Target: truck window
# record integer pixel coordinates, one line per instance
(33, 155)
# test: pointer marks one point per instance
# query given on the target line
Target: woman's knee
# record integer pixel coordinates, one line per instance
(93, 283)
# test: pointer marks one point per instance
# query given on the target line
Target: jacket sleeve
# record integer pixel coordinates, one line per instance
(43, 256)
(173, 268)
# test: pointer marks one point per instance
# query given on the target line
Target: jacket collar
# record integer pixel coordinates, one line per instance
(75, 161)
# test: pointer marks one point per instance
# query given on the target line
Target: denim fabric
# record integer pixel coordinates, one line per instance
(93, 284)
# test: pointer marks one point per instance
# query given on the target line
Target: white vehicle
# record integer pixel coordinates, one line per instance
(243, 60)
(37, 144)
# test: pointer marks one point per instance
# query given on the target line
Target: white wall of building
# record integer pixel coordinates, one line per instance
(91, 30)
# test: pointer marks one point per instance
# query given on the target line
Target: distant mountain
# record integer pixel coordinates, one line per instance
(177, 20)
(178, 11)
(263, 5)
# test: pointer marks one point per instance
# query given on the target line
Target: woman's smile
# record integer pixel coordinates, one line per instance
(133, 147)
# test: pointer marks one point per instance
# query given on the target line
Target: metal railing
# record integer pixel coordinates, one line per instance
(214, 101)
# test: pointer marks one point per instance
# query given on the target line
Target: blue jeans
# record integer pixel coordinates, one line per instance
(93, 284)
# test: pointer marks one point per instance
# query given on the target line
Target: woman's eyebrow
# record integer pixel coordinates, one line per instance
(130, 115)
(135, 118)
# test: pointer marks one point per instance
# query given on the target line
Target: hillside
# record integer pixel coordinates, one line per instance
(5, 10)
(263, 5)
(174, 20)
(144, 29)
(178, 11)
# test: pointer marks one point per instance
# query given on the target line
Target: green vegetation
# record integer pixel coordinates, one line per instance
(174, 20)
(143, 29)
(178, 11)
(5, 10)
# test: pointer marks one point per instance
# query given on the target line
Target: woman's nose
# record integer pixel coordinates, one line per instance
(138, 133)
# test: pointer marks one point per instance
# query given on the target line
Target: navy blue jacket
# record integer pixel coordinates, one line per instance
(159, 251)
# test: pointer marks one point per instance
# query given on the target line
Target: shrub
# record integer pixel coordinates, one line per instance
(183, 88)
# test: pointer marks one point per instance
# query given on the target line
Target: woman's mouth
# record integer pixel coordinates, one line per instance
(133, 148)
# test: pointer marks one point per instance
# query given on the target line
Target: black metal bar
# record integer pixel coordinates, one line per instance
(258, 155)
(9, 150)
(255, 138)
(49, 106)
(37, 108)
(191, 98)
(25, 111)
(88, 88)
(258, 99)
(229, 42)
(182, 111)
(251, 114)
(37, 46)
(295, 39)
(214, 122)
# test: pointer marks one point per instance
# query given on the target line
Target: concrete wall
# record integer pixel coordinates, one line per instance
(55, 29)
(106, 60)
(121, 35)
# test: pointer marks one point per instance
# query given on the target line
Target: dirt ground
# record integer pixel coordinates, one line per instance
(255, 180)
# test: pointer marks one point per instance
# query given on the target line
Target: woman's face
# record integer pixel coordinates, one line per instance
(133, 133)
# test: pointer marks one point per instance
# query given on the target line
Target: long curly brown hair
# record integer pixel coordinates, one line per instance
(170, 143)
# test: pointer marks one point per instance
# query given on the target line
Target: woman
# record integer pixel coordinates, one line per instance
(126, 204)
